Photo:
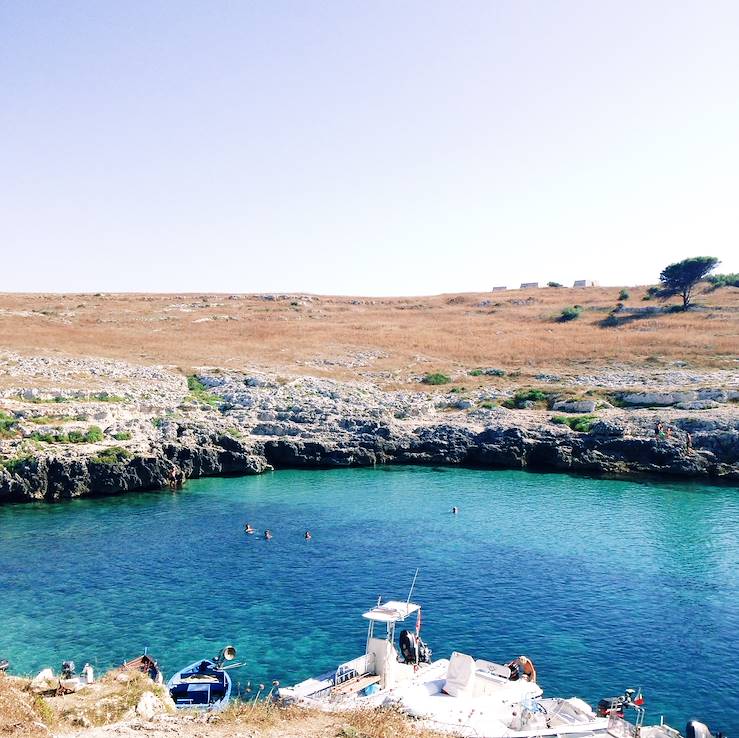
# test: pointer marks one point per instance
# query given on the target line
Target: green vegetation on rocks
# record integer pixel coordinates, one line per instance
(526, 398)
(14, 462)
(200, 393)
(436, 378)
(92, 435)
(8, 426)
(111, 455)
(581, 424)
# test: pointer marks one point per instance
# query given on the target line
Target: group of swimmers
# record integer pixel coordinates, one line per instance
(268, 533)
(307, 535)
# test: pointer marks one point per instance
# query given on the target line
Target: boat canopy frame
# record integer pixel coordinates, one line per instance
(390, 613)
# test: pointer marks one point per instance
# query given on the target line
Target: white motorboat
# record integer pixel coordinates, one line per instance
(464, 695)
(407, 677)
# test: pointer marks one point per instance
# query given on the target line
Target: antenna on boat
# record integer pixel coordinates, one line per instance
(413, 584)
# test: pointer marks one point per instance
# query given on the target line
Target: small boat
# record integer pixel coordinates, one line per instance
(4, 664)
(463, 695)
(146, 665)
(205, 684)
(406, 677)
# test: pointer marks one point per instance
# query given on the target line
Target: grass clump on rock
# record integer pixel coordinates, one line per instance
(92, 435)
(581, 424)
(111, 455)
(200, 393)
(14, 462)
(527, 398)
(8, 426)
(436, 378)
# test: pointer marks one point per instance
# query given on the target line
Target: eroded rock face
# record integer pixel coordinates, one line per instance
(256, 423)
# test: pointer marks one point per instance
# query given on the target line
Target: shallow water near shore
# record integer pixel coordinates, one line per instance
(604, 584)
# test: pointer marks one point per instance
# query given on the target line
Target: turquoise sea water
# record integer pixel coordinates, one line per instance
(604, 584)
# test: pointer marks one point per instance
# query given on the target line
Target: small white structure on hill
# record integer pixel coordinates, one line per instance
(500, 289)
(529, 285)
(585, 283)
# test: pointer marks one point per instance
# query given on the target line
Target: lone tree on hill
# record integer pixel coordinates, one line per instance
(681, 278)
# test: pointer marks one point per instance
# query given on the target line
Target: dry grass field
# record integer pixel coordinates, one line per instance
(388, 340)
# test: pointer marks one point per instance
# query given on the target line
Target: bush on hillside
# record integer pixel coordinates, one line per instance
(570, 313)
(436, 378)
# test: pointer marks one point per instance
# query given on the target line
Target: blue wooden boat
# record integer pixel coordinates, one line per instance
(203, 685)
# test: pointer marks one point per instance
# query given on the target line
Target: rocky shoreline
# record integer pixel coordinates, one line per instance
(158, 429)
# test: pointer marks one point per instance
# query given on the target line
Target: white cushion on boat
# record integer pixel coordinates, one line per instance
(460, 675)
(497, 669)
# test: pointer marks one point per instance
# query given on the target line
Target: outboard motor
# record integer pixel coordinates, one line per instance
(68, 669)
(696, 729)
(611, 706)
(227, 653)
(414, 650)
(4, 664)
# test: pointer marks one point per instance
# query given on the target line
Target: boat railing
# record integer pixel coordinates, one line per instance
(356, 667)
(621, 728)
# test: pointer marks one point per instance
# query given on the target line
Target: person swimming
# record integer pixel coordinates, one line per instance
(248, 529)
(455, 510)
(308, 536)
(268, 535)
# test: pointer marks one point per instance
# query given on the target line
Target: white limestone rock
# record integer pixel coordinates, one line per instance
(575, 406)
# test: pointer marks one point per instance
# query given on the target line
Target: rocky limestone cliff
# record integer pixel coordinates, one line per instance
(235, 423)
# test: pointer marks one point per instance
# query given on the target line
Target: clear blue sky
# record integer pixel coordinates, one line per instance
(373, 147)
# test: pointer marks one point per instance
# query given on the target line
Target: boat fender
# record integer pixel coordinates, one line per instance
(696, 729)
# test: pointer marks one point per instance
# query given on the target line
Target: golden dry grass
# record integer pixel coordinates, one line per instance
(270, 718)
(107, 701)
(516, 330)
(21, 712)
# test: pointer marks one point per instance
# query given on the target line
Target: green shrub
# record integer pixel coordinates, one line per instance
(488, 404)
(554, 284)
(14, 462)
(122, 436)
(487, 373)
(436, 378)
(723, 280)
(200, 393)
(44, 437)
(623, 295)
(51, 419)
(94, 434)
(570, 313)
(8, 426)
(527, 395)
(580, 423)
(105, 397)
(76, 436)
(111, 455)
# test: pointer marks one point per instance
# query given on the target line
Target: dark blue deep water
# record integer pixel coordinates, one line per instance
(604, 584)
